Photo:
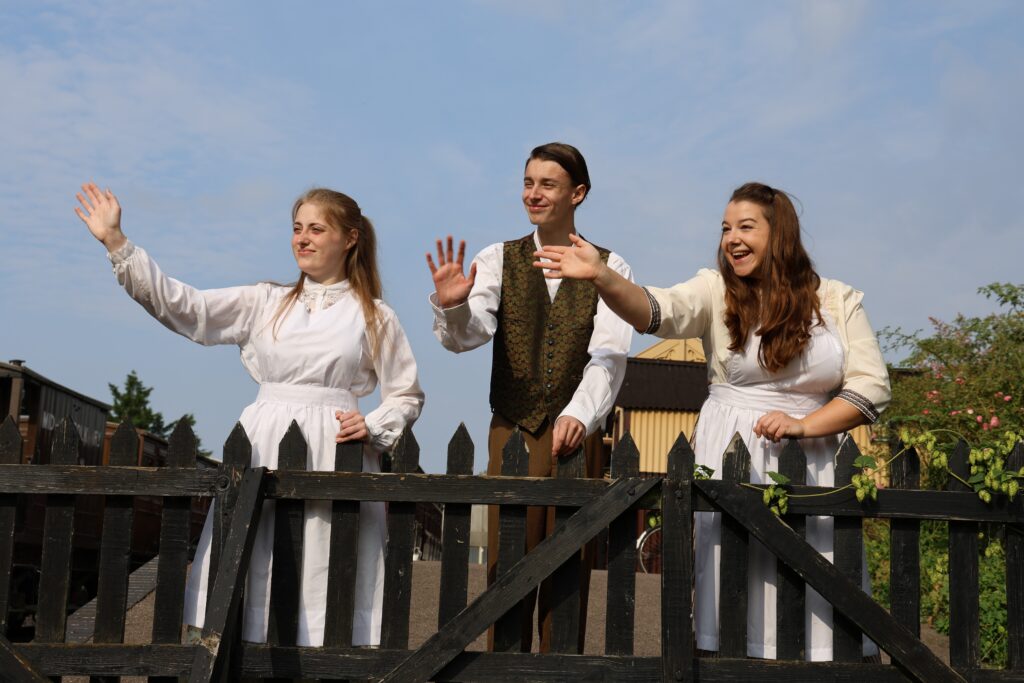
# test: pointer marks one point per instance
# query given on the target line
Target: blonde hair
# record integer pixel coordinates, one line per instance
(343, 213)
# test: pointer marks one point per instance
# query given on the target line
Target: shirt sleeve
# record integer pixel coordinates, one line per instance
(472, 324)
(603, 374)
(866, 379)
(401, 395)
(211, 316)
(685, 310)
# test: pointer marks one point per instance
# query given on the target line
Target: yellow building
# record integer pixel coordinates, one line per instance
(661, 395)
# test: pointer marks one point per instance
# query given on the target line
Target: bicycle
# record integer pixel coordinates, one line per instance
(648, 545)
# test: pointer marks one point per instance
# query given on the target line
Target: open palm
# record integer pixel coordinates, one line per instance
(101, 213)
(450, 281)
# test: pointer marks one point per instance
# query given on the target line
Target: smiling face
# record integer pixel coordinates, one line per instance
(745, 232)
(549, 196)
(319, 248)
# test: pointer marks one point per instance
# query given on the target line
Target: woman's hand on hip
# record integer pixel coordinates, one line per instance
(101, 213)
(353, 426)
(776, 426)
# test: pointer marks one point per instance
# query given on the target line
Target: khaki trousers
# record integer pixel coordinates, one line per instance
(540, 522)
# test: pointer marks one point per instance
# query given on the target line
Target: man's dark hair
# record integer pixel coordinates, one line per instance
(569, 158)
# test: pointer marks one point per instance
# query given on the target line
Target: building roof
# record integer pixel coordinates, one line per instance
(653, 384)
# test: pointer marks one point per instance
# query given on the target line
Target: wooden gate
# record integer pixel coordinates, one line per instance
(586, 507)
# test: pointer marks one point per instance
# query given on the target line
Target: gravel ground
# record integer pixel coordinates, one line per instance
(423, 615)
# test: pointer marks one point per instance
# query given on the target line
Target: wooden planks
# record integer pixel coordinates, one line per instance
(58, 534)
(905, 547)
(848, 556)
(398, 554)
(10, 453)
(341, 574)
(455, 534)
(1015, 577)
(677, 642)
(790, 637)
(509, 588)
(564, 592)
(963, 574)
(288, 520)
(511, 545)
(732, 600)
(621, 602)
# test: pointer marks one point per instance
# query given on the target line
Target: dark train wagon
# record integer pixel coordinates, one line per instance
(39, 405)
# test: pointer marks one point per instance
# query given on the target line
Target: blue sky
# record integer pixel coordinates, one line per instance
(897, 125)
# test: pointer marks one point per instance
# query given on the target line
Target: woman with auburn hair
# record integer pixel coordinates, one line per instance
(789, 354)
(314, 347)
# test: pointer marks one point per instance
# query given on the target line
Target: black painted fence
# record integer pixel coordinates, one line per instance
(586, 508)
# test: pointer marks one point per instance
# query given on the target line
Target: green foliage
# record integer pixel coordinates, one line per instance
(131, 402)
(966, 375)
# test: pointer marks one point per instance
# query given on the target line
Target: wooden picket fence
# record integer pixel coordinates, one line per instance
(584, 507)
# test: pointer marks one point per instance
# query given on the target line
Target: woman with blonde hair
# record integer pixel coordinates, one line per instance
(314, 347)
(790, 354)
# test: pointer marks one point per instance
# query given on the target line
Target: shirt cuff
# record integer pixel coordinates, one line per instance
(121, 255)
(866, 407)
(456, 316)
(655, 314)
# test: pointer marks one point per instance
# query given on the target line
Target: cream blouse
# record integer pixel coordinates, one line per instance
(696, 308)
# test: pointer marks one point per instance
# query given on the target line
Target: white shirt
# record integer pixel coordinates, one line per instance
(473, 323)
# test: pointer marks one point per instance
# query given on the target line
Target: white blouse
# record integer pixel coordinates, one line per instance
(243, 315)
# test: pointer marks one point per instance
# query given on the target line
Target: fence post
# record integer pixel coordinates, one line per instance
(963, 574)
(455, 534)
(732, 622)
(58, 533)
(10, 454)
(792, 591)
(677, 564)
(175, 530)
(398, 556)
(621, 602)
(905, 546)
(115, 548)
(237, 456)
(848, 557)
(1015, 576)
(341, 574)
(508, 630)
(566, 590)
(288, 517)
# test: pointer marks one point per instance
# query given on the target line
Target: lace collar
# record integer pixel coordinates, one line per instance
(317, 297)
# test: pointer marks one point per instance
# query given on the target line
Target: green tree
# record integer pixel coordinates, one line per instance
(131, 402)
(966, 375)
(963, 379)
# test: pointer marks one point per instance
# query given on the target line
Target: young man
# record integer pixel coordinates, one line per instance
(559, 352)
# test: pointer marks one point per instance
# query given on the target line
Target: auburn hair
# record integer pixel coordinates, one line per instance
(781, 301)
(342, 213)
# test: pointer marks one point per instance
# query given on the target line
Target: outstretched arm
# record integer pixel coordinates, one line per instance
(101, 213)
(582, 261)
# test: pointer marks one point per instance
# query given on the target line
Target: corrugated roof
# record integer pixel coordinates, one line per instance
(663, 385)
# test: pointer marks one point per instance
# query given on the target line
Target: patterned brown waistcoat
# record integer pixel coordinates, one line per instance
(540, 346)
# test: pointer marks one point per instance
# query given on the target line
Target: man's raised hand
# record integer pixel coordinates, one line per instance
(450, 281)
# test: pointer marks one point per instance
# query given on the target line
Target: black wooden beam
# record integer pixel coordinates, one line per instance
(15, 667)
(10, 453)
(445, 645)
(455, 534)
(621, 602)
(677, 564)
(947, 505)
(845, 596)
(225, 599)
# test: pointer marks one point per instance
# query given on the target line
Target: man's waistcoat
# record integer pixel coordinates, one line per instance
(540, 346)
